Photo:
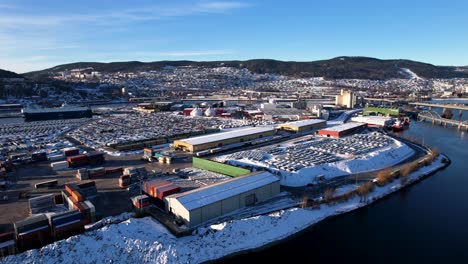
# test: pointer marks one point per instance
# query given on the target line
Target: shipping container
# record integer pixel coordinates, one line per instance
(71, 152)
(31, 223)
(41, 203)
(75, 194)
(58, 199)
(167, 190)
(77, 158)
(56, 157)
(34, 239)
(141, 201)
(86, 184)
(45, 184)
(59, 165)
(42, 156)
(67, 230)
(115, 170)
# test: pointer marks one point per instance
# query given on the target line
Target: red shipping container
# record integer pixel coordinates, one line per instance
(167, 190)
(71, 152)
(58, 199)
(95, 175)
(76, 196)
(77, 158)
(67, 231)
(32, 240)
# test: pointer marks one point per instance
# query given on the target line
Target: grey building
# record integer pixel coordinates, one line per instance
(200, 205)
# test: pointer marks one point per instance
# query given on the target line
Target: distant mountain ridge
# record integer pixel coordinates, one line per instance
(9, 74)
(336, 68)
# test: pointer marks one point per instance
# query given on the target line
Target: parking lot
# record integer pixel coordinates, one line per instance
(30, 136)
(132, 127)
(311, 151)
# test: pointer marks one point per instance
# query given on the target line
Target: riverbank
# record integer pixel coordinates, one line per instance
(144, 240)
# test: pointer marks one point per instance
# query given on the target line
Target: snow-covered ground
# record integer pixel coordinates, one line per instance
(410, 73)
(146, 241)
(376, 160)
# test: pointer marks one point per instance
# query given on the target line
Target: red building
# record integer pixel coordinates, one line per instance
(342, 130)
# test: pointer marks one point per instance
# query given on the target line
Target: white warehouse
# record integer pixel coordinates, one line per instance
(200, 205)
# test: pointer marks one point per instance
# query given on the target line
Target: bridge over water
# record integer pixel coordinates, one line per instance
(435, 118)
(460, 107)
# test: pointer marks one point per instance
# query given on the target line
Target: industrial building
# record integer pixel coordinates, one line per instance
(346, 99)
(303, 125)
(217, 140)
(380, 121)
(283, 114)
(200, 205)
(342, 130)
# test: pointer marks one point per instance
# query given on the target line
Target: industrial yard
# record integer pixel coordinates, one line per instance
(185, 171)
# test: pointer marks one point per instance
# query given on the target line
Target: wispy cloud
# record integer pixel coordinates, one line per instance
(30, 39)
(124, 15)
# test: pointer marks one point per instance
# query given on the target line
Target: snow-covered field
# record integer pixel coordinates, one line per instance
(146, 241)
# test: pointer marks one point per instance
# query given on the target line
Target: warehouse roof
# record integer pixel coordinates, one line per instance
(344, 126)
(226, 135)
(306, 122)
(223, 190)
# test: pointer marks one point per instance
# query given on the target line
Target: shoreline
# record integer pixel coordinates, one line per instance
(360, 206)
(216, 242)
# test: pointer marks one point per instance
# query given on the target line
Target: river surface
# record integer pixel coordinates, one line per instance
(425, 223)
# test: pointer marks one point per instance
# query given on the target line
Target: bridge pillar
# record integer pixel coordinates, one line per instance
(460, 113)
(433, 121)
(459, 127)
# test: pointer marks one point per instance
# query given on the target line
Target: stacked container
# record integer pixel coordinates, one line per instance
(77, 161)
(124, 181)
(66, 224)
(88, 189)
(160, 188)
(115, 170)
(41, 203)
(71, 152)
(141, 201)
(56, 157)
(7, 244)
(82, 174)
(42, 156)
(97, 172)
(75, 200)
(32, 232)
(95, 158)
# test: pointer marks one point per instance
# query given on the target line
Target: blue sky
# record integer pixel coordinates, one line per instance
(37, 34)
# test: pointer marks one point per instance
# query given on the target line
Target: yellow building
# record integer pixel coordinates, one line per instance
(346, 98)
(303, 125)
(221, 139)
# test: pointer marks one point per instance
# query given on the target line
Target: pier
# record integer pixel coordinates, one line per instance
(435, 118)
